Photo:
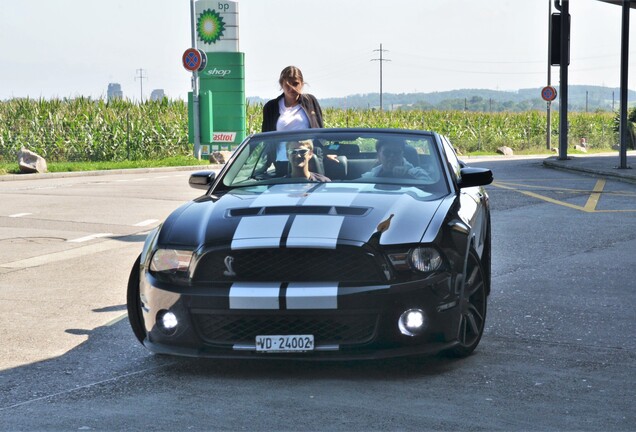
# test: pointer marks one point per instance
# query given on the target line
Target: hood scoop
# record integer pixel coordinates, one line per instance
(298, 210)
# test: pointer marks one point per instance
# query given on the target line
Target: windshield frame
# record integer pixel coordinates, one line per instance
(249, 158)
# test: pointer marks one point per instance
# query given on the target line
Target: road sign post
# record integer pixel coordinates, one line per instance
(548, 93)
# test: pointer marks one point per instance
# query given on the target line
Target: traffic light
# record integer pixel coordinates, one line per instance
(555, 40)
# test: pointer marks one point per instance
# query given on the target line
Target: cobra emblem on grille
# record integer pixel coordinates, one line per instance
(228, 265)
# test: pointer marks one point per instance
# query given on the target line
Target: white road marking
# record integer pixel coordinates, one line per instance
(89, 237)
(116, 320)
(146, 222)
(66, 255)
(76, 389)
(17, 215)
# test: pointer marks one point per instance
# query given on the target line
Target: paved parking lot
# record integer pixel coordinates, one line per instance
(557, 353)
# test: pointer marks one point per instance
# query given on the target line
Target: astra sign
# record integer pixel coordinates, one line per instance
(224, 137)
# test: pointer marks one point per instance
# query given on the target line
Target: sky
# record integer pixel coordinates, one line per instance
(71, 48)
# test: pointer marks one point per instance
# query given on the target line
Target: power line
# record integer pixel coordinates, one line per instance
(141, 82)
(380, 60)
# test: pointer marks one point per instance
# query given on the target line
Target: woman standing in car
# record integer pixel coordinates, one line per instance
(292, 110)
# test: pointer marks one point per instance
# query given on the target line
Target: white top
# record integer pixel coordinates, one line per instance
(291, 118)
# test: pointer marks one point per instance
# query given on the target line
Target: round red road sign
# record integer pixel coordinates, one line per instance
(548, 93)
(193, 59)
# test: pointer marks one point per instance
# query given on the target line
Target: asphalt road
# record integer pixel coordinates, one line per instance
(558, 352)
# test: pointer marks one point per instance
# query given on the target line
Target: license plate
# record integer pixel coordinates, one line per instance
(284, 343)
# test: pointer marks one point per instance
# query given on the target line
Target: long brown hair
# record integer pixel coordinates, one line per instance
(293, 77)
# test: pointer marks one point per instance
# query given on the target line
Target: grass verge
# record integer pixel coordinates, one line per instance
(12, 168)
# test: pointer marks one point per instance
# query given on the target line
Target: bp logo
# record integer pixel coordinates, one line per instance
(210, 26)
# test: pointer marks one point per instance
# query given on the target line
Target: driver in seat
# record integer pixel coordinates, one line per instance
(299, 153)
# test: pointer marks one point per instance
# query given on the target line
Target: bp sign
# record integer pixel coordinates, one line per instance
(222, 80)
(548, 93)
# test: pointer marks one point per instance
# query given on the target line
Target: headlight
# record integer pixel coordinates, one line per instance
(171, 261)
(425, 259)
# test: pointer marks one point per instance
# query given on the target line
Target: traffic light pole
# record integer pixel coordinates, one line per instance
(548, 127)
(563, 85)
(624, 132)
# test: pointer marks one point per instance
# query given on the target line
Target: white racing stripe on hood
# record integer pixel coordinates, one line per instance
(330, 199)
(282, 195)
(259, 232)
(312, 295)
(319, 231)
(245, 295)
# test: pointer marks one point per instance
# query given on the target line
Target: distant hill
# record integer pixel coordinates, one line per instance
(580, 98)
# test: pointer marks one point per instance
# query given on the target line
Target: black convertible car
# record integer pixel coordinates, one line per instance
(321, 244)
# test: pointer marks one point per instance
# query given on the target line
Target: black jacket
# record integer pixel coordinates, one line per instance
(308, 103)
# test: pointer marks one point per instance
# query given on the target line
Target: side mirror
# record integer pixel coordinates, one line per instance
(471, 176)
(202, 179)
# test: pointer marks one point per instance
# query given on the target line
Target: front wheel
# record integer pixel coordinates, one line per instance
(473, 309)
(133, 303)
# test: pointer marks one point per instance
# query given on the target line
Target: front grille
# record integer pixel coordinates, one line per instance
(327, 329)
(285, 265)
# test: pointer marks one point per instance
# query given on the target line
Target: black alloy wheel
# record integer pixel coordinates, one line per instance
(473, 309)
(133, 303)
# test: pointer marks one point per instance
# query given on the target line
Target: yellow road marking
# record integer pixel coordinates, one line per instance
(541, 197)
(548, 188)
(590, 205)
(592, 201)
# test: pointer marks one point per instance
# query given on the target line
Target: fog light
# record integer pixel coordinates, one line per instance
(412, 322)
(167, 322)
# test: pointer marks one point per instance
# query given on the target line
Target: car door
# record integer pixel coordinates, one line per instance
(472, 200)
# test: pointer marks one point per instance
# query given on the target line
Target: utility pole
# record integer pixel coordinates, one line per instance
(141, 82)
(380, 60)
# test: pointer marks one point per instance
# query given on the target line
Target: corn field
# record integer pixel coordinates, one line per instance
(94, 130)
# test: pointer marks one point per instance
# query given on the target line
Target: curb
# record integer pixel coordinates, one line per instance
(628, 176)
(36, 176)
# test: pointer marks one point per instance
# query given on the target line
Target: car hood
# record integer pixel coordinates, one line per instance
(302, 215)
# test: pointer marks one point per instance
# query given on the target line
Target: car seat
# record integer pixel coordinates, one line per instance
(336, 170)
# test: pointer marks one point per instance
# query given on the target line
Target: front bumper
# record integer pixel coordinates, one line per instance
(359, 322)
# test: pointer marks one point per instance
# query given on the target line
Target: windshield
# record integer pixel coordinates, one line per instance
(323, 156)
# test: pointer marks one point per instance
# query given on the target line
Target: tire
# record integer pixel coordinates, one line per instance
(133, 303)
(486, 260)
(473, 306)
